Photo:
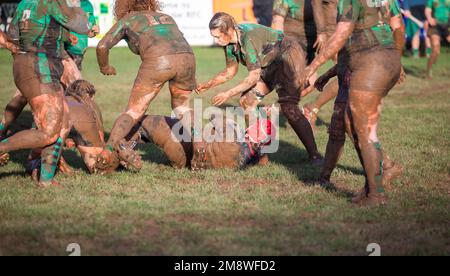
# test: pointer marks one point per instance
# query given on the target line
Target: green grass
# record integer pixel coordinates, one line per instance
(260, 211)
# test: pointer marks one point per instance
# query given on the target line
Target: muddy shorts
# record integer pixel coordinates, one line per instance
(307, 44)
(283, 74)
(36, 74)
(441, 30)
(178, 69)
(377, 69)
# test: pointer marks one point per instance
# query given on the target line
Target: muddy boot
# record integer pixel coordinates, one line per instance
(390, 174)
(199, 158)
(44, 185)
(33, 168)
(4, 159)
(317, 160)
(373, 200)
(104, 159)
(359, 196)
(374, 177)
(129, 158)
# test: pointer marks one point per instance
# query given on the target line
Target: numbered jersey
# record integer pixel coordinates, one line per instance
(371, 20)
(148, 33)
(41, 26)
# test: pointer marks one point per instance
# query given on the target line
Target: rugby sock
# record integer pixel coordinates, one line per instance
(302, 128)
(49, 160)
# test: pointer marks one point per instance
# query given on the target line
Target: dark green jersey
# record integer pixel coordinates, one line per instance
(301, 18)
(82, 44)
(148, 33)
(441, 10)
(258, 46)
(371, 19)
(41, 26)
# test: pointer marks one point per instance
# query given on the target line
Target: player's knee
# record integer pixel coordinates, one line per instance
(437, 51)
(51, 136)
(135, 114)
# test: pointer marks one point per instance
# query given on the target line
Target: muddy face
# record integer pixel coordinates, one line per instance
(222, 39)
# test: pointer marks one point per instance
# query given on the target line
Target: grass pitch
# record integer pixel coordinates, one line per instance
(275, 210)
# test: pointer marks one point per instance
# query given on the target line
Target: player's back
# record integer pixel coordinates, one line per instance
(151, 33)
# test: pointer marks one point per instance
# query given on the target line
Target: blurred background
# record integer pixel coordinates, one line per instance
(192, 16)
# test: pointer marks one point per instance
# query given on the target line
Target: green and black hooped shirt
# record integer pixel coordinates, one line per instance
(371, 19)
(257, 48)
(42, 26)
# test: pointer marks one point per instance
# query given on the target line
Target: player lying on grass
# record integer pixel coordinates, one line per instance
(219, 151)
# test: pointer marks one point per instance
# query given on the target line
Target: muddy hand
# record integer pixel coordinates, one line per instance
(320, 42)
(402, 76)
(108, 70)
(220, 99)
(305, 76)
(202, 87)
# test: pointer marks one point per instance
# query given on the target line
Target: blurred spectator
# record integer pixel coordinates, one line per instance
(415, 12)
(438, 14)
(7, 11)
(263, 11)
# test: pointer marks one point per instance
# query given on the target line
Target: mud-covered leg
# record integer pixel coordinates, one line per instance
(48, 116)
(51, 154)
(12, 111)
(311, 110)
(303, 130)
(365, 110)
(139, 101)
(435, 52)
(336, 142)
(137, 106)
(183, 111)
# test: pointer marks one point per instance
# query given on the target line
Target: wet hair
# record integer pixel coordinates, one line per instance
(79, 89)
(222, 21)
(122, 7)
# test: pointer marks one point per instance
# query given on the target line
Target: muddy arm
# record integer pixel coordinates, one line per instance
(232, 68)
(114, 35)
